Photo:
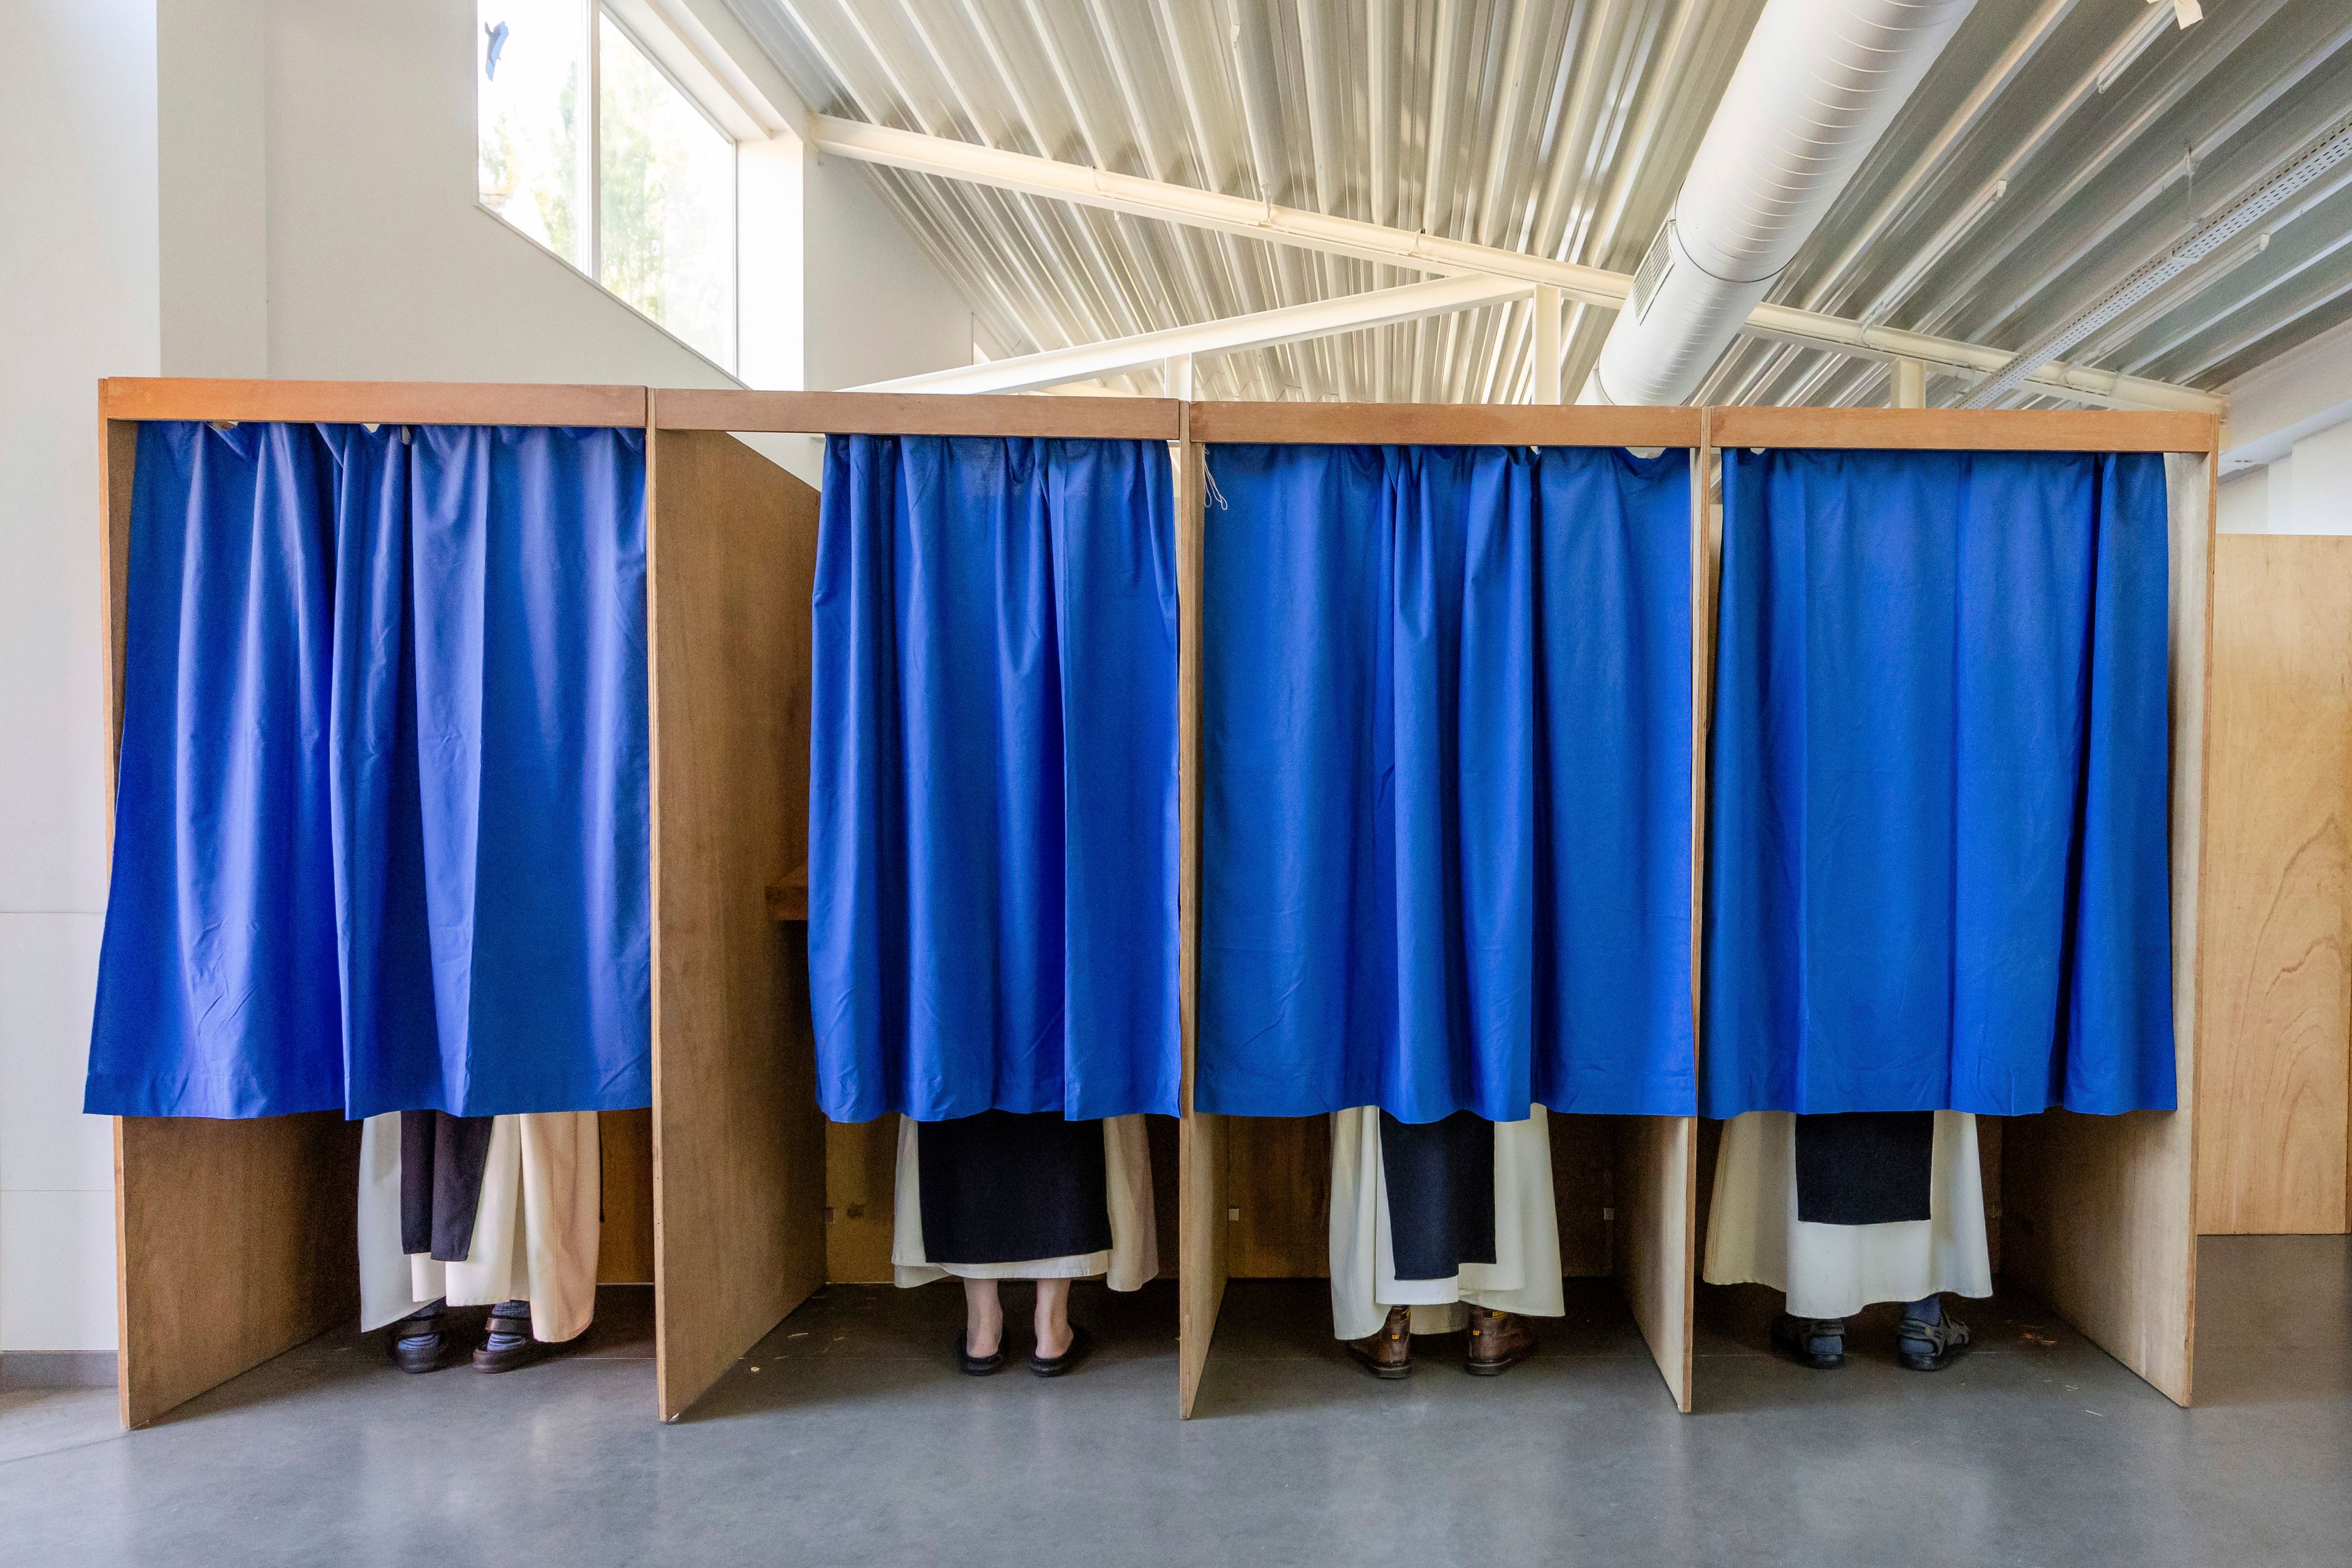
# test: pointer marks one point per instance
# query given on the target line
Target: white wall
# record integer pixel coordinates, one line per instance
(78, 275)
(877, 308)
(380, 265)
(2286, 460)
(234, 187)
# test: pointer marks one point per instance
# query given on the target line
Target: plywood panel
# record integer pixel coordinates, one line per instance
(1446, 424)
(739, 1145)
(235, 1240)
(624, 1248)
(371, 402)
(2099, 1213)
(861, 1183)
(1658, 1238)
(1279, 1196)
(1958, 429)
(1201, 1241)
(2277, 1039)
(919, 413)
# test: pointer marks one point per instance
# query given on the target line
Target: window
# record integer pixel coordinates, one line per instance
(592, 148)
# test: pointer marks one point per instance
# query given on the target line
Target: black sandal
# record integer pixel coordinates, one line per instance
(972, 1365)
(1816, 1343)
(1081, 1344)
(1923, 1346)
(423, 1342)
(508, 1343)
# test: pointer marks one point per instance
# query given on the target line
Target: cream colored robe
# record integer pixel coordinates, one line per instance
(1833, 1271)
(1524, 1277)
(535, 1235)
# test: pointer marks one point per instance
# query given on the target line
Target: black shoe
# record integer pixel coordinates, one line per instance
(1081, 1343)
(972, 1365)
(1931, 1347)
(424, 1343)
(509, 1345)
(1816, 1343)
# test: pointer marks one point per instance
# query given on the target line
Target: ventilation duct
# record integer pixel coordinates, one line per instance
(1818, 85)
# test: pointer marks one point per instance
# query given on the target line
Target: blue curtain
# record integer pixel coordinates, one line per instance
(992, 779)
(216, 979)
(1938, 867)
(382, 827)
(1447, 836)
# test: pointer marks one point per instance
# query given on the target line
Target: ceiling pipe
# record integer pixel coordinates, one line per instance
(1819, 82)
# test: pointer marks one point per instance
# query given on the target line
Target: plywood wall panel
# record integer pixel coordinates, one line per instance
(624, 1248)
(739, 1145)
(1201, 1244)
(861, 1186)
(1656, 1235)
(1279, 1196)
(2099, 1213)
(2278, 1002)
(235, 1241)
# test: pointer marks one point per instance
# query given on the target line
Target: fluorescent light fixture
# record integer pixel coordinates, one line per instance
(2129, 48)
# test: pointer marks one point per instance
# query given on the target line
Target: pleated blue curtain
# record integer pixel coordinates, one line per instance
(491, 769)
(216, 983)
(1446, 732)
(992, 779)
(438, 899)
(1938, 870)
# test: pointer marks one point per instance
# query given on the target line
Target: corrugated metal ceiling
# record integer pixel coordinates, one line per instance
(2008, 196)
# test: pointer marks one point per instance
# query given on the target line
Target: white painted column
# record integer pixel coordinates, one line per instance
(1176, 377)
(1549, 346)
(1910, 384)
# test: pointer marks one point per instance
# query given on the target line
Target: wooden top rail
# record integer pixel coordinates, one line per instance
(919, 413)
(370, 402)
(1965, 429)
(1446, 424)
(1154, 418)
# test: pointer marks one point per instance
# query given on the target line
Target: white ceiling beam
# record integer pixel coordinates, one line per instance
(1434, 253)
(1263, 329)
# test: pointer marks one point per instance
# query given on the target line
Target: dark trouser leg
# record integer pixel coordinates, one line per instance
(442, 1159)
(1440, 1193)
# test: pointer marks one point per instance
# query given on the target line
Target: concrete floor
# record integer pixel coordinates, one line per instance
(846, 1438)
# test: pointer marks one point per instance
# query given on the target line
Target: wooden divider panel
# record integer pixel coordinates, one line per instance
(1658, 1238)
(2099, 1212)
(2277, 1037)
(1656, 1229)
(1201, 1238)
(235, 1241)
(739, 1144)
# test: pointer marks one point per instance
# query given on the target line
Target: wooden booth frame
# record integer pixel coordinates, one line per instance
(235, 1238)
(1654, 1160)
(2098, 1215)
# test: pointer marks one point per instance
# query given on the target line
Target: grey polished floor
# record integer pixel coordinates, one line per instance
(846, 1439)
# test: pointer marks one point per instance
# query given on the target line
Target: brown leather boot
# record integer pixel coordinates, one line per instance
(1387, 1353)
(1499, 1342)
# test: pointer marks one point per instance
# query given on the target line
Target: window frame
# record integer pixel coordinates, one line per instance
(595, 13)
